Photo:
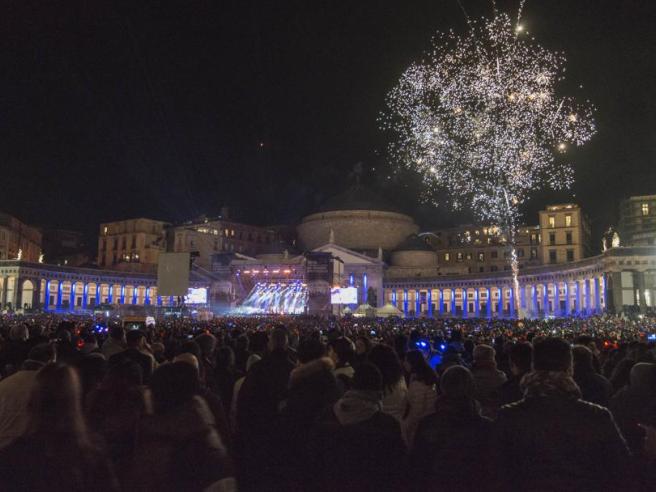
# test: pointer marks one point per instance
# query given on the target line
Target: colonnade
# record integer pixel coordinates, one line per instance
(557, 298)
(71, 295)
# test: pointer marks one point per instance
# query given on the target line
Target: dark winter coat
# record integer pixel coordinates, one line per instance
(357, 448)
(452, 448)
(558, 443)
(180, 450)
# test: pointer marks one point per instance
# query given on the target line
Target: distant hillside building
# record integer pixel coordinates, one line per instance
(637, 225)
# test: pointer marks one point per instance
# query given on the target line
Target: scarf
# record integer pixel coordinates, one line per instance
(549, 384)
(357, 406)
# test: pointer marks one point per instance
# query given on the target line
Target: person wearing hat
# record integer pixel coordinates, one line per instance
(554, 440)
(452, 445)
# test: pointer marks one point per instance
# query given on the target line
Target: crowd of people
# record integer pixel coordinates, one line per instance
(307, 403)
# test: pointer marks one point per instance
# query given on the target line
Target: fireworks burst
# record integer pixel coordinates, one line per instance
(481, 122)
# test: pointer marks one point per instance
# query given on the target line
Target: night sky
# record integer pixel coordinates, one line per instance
(116, 109)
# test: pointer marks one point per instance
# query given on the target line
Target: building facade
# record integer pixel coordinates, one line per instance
(206, 237)
(131, 245)
(18, 240)
(480, 249)
(637, 225)
(564, 234)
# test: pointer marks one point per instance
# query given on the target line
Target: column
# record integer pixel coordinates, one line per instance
(159, 300)
(567, 299)
(512, 301)
(60, 294)
(71, 302)
(545, 299)
(534, 300)
(500, 303)
(365, 294)
(465, 303)
(441, 302)
(134, 295)
(394, 302)
(488, 305)
(147, 298)
(598, 295)
(122, 298)
(477, 304)
(429, 299)
(522, 297)
(98, 289)
(417, 303)
(556, 310)
(577, 299)
(453, 302)
(351, 280)
(588, 304)
(46, 298)
(3, 294)
(405, 302)
(85, 294)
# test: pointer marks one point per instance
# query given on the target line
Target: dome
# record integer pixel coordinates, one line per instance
(414, 243)
(357, 198)
(356, 219)
(414, 252)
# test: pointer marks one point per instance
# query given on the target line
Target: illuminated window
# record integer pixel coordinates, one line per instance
(447, 257)
(459, 256)
(552, 221)
(105, 230)
(645, 209)
(469, 256)
(232, 232)
(568, 220)
(481, 256)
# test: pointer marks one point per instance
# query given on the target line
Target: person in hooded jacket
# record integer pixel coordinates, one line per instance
(452, 446)
(355, 446)
(594, 387)
(178, 447)
(312, 389)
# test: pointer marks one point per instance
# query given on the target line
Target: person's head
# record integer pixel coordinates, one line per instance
(259, 342)
(278, 339)
(122, 375)
(242, 343)
(55, 407)
(117, 332)
(643, 378)
(40, 355)
(387, 362)
(341, 350)
(190, 347)
(173, 385)
(483, 353)
(225, 358)
(457, 383)
(552, 354)
(362, 345)
(19, 333)
(582, 357)
(310, 349)
(207, 344)
(415, 364)
(521, 358)
(367, 377)
(187, 358)
(135, 339)
(91, 369)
